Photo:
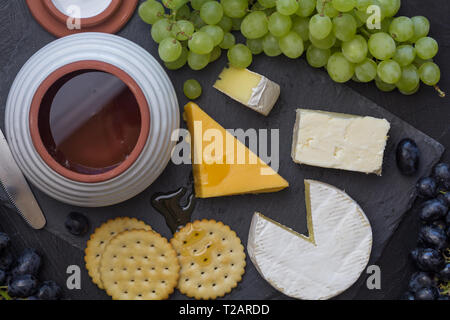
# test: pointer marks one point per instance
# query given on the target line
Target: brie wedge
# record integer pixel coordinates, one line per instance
(325, 263)
(339, 141)
(249, 88)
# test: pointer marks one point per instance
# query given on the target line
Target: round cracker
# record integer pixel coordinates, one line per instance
(100, 238)
(212, 259)
(139, 265)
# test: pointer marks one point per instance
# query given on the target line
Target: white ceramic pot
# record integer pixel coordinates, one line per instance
(151, 82)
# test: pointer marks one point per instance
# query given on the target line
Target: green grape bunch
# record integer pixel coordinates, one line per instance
(337, 35)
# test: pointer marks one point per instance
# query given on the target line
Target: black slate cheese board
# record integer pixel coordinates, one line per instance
(384, 199)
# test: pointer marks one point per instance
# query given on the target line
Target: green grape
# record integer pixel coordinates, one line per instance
(215, 32)
(325, 7)
(339, 68)
(366, 71)
(240, 56)
(270, 45)
(228, 41)
(418, 61)
(255, 45)
(180, 62)
(301, 26)
(226, 24)
(344, 5)
(255, 25)
(174, 4)
(385, 24)
(408, 93)
(182, 30)
(215, 54)
(211, 12)
(236, 24)
(426, 48)
(183, 13)
(326, 43)
(268, 3)
(197, 20)
(405, 55)
(151, 11)
(279, 24)
(389, 71)
(429, 73)
(359, 22)
(362, 5)
(320, 26)
(287, 7)
(401, 29)
(201, 43)
(161, 29)
(389, 7)
(317, 57)
(355, 50)
(306, 8)
(382, 46)
(409, 79)
(383, 86)
(421, 27)
(192, 89)
(344, 27)
(235, 8)
(170, 49)
(291, 45)
(197, 4)
(198, 61)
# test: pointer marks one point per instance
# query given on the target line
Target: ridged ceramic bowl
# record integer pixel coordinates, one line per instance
(146, 79)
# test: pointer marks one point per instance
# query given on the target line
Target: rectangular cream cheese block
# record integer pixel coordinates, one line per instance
(249, 88)
(340, 141)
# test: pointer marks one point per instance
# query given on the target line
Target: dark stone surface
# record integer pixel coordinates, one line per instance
(384, 199)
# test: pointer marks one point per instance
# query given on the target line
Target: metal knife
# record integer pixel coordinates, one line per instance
(17, 188)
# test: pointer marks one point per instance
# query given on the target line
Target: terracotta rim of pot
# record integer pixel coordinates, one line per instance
(34, 120)
(111, 20)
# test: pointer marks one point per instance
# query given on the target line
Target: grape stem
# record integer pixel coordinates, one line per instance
(441, 93)
(5, 295)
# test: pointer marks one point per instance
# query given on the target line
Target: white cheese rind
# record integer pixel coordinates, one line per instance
(322, 266)
(339, 141)
(264, 96)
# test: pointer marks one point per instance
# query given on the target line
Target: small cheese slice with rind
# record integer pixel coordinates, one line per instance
(249, 88)
(325, 263)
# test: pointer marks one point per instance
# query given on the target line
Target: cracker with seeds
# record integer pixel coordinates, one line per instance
(139, 265)
(100, 238)
(212, 259)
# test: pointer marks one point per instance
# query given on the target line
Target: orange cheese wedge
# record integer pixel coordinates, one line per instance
(225, 174)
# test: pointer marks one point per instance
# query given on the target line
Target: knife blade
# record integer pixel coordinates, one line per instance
(17, 188)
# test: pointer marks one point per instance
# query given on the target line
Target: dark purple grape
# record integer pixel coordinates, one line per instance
(448, 232)
(428, 259)
(77, 224)
(432, 210)
(442, 174)
(433, 237)
(420, 280)
(6, 260)
(23, 286)
(427, 293)
(49, 290)
(444, 297)
(408, 296)
(408, 157)
(444, 197)
(28, 263)
(426, 187)
(4, 241)
(3, 277)
(440, 224)
(444, 274)
(447, 219)
(32, 298)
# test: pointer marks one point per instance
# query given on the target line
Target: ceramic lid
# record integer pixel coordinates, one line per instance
(66, 17)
